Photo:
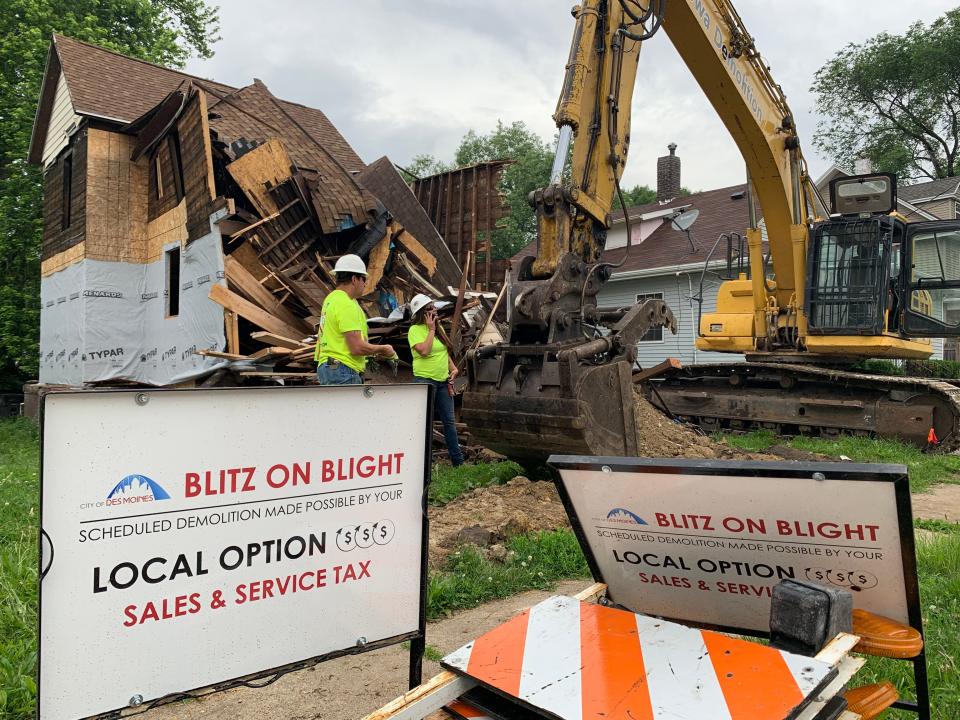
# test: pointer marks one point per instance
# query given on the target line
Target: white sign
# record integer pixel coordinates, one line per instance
(203, 535)
(710, 548)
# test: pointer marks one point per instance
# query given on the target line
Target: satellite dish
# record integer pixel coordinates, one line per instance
(684, 220)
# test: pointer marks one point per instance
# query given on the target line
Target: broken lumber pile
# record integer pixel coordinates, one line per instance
(289, 225)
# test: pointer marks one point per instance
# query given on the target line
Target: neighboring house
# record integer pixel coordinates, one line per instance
(662, 263)
(135, 193)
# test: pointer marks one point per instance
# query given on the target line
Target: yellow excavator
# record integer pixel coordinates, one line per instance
(829, 284)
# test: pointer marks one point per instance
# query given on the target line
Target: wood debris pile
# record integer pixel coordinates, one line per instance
(287, 229)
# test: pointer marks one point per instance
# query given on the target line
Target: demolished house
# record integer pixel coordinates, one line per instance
(190, 228)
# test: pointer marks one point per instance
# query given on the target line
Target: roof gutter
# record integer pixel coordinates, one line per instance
(665, 270)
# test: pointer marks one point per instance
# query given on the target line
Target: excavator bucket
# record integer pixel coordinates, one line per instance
(571, 397)
(528, 414)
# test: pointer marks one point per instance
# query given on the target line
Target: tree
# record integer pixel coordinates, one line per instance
(532, 161)
(422, 166)
(895, 100)
(637, 195)
(161, 31)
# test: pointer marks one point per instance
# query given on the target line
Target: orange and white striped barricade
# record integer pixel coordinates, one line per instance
(576, 661)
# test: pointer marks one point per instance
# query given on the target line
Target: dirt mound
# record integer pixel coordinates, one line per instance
(487, 516)
(520, 506)
(659, 436)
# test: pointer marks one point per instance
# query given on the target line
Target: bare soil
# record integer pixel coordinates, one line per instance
(660, 436)
(942, 502)
(517, 507)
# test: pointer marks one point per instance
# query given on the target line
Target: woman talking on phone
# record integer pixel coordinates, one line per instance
(432, 365)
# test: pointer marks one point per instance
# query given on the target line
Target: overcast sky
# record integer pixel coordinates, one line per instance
(402, 78)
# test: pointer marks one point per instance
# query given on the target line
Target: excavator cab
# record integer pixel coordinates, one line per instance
(870, 272)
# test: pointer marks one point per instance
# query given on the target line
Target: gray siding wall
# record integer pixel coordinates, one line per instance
(678, 296)
(678, 292)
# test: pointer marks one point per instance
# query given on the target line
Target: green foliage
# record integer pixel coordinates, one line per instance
(422, 166)
(532, 160)
(637, 195)
(949, 369)
(879, 367)
(535, 561)
(162, 31)
(450, 482)
(895, 99)
(19, 519)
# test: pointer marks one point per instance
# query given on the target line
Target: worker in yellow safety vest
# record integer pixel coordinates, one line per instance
(432, 366)
(342, 346)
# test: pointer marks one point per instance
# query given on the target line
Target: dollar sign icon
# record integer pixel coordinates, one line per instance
(346, 539)
(364, 535)
(384, 532)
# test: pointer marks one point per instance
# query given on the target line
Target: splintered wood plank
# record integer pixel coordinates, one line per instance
(245, 308)
(376, 262)
(268, 163)
(423, 256)
(458, 308)
(247, 256)
(277, 340)
(238, 275)
(271, 352)
(222, 355)
(424, 699)
(233, 331)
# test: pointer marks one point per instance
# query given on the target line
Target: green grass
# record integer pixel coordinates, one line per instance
(937, 526)
(925, 469)
(450, 482)
(18, 567)
(938, 562)
(535, 562)
(429, 651)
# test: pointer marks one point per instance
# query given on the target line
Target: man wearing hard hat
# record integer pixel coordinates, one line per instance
(342, 347)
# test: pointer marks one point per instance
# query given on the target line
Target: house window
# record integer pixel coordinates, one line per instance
(67, 192)
(172, 290)
(653, 334)
(176, 167)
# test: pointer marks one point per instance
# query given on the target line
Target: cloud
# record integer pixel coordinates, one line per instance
(408, 78)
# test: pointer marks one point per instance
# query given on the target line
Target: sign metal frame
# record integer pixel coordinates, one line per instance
(853, 472)
(416, 638)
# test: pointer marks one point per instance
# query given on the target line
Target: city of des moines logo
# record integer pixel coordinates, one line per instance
(136, 489)
(625, 517)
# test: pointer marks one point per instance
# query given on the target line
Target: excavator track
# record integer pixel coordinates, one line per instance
(807, 399)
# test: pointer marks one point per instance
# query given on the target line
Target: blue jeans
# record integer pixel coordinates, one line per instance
(443, 411)
(338, 374)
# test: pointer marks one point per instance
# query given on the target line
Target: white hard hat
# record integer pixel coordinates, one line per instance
(350, 264)
(419, 301)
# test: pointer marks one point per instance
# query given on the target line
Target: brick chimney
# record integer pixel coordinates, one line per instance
(668, 175)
